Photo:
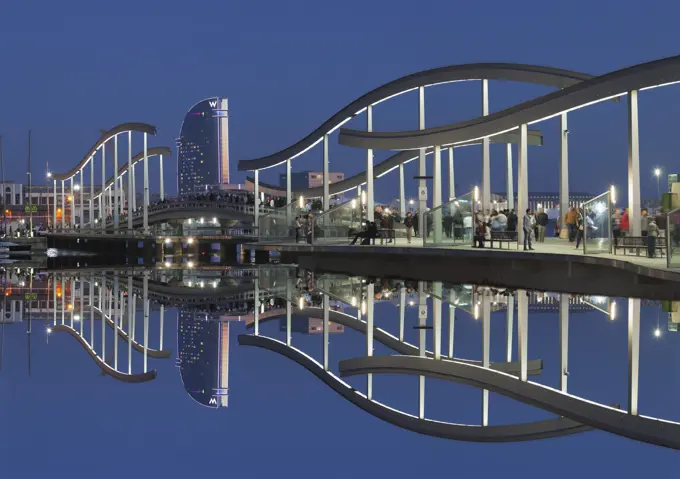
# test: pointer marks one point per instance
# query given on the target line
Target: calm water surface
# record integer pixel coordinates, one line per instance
(185, 398)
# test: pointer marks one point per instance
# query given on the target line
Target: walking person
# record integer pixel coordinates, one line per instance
(528, 228)
(408, 223)
(579, 227)
(570, 221)
(416, 224)
(542, 223)
(652, 235)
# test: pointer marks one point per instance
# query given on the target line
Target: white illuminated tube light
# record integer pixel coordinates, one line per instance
(612, 193)
(301, 303)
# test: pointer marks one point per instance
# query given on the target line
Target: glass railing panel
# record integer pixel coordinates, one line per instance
(451, 223)
(597, 224)
(672, 239)
(280, 225)
(336, 224)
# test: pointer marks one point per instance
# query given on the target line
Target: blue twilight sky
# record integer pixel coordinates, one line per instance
(73, 67)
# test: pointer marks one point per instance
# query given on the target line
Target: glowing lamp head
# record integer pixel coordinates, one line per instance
(49, 175)
(190, 241)
(657, 172)
(657, 333)
(168, 241)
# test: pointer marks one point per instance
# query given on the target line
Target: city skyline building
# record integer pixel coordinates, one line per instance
(203, 357)
(203, 147)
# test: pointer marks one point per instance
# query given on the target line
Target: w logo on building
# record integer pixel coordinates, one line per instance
(212, 103)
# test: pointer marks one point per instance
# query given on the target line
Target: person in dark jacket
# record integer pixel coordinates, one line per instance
(542, 223)
(408, 223)
(512, 221)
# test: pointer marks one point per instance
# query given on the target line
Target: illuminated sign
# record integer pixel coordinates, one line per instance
(212, 103)
(31, 296)
(213, 401)
(31, 208)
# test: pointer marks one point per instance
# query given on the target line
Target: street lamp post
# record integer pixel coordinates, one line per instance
(657, 173)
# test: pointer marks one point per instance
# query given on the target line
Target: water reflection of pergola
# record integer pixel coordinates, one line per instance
(416, 360)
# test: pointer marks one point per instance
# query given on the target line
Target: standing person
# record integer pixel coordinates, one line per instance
(298, 229)
(527, 227)
(644, 222)
(390, 227)
(542, 223)
(512, 221)
(408, 223)
(652, 234)
(570, 221)
(579, 227)
(534, 219)
(480, 234)
(416, 223)
(625, 223)
(310, 228)
(616, 226)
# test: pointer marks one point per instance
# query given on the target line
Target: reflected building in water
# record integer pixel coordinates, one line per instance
(203, 357)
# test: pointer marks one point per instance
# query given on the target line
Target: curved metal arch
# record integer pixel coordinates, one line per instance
(540, 75)
(152, 353)
(534, 138)
(106, 136)
(128, 378)
(534, 366)
(595, 90)
(510, 433)
(153, 151)
(606, 418)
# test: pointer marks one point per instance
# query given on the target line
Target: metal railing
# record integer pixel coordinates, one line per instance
(673, 238)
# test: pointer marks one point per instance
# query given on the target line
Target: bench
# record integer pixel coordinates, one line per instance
(637, 243)
(504, 237)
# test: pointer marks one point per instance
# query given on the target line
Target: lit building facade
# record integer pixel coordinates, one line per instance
(203, 147)
(203, 349)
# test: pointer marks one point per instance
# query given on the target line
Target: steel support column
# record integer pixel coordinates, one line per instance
(486, 353)
(145, 299)
(102, 195)
(633, 165)
(486, 152)
(326, 189)
(452, 177)
(564, 341)
(63, 207)
(131, 189)
(54, 204)
(370, 325)
(523, 180)
(522, 332)
(256, 191)
(633, 354)
(326, 313)
(422, 341)
(436, 195)
(370, 195)
(160, 174)
(509, 177)
(564, 168)
(402, 192)
(115, 183)
(146, 186)
(510, 326)
(422, 171)
(437, 318)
